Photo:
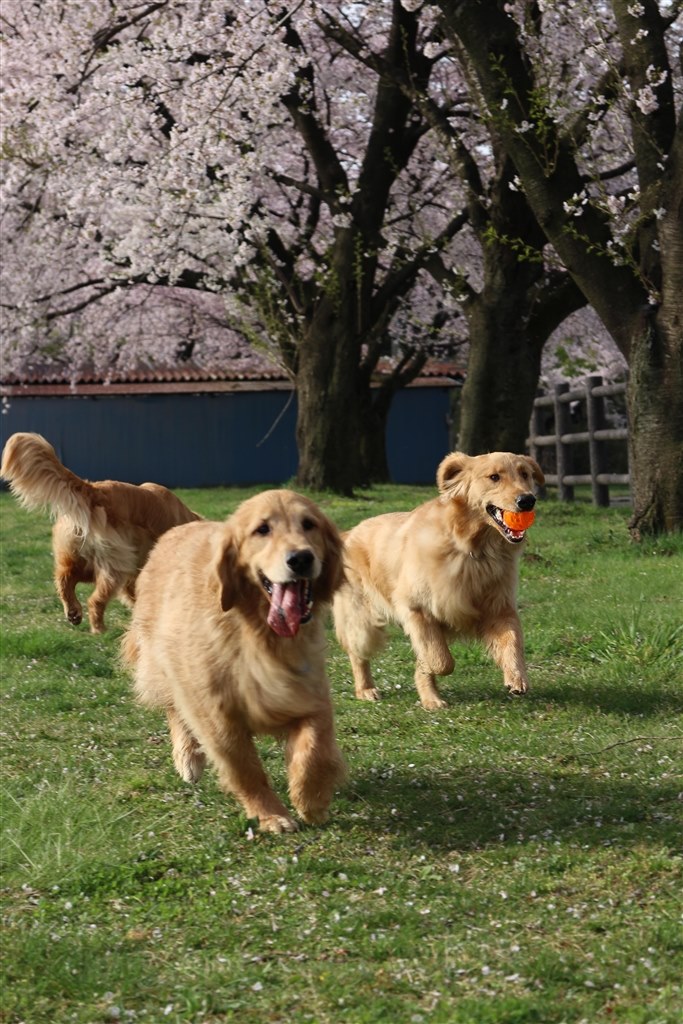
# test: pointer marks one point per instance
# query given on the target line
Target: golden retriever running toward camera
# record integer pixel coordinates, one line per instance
(103, 532)
(227, 636)
(448, 568)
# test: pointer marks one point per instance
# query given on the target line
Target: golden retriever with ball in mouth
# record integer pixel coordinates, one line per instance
(447, 569)
(227, 636)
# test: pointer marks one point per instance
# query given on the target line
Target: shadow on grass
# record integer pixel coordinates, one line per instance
(475, 810)
(623, 697)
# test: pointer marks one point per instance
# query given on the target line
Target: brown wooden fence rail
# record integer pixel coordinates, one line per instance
(593, 393)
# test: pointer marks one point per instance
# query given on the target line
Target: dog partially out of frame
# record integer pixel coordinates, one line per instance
(227, 637)
(103, 531)
(447, 569)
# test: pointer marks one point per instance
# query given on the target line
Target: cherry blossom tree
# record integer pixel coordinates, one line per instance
(231, 148)
(583, 99)
(291, 162)
(322, 171)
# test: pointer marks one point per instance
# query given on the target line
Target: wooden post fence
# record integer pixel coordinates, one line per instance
(593, 393)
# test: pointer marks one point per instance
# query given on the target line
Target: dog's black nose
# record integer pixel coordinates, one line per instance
(300, 562)
(525, 502)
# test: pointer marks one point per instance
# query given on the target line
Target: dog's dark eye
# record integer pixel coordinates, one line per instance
(307, 524)
(495, 477)
(263, 529)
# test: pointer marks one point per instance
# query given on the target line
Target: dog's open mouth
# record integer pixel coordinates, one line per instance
(291, 605)
(513, 536)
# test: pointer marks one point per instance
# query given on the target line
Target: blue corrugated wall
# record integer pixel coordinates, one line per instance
(209, 440)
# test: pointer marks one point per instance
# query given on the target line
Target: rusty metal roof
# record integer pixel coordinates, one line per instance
(233, 375)
(181, 372)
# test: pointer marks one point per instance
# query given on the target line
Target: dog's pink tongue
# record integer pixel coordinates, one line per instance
(284, 616)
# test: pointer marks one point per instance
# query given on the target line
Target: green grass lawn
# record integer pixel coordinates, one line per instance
(504, 860)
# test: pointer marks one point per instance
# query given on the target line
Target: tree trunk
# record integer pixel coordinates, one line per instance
(655, 404)
(504, 363)
(375, 405)
(329, 425)
(510, 319)
(374, 465)
(502, 378)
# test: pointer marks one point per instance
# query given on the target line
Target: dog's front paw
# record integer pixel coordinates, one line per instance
(314, 815)
(278, 824)
(427, 691)
(368, 693)
(75, 616)
(433, 703)
(517, 687)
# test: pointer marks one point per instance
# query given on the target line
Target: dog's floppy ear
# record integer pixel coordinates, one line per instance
(450, 472)
(332, 573)
(536, 470)
(225, 569)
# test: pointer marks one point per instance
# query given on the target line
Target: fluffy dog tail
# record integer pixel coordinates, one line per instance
(38, 479)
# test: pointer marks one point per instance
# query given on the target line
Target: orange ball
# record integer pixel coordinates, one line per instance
(518, 520)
